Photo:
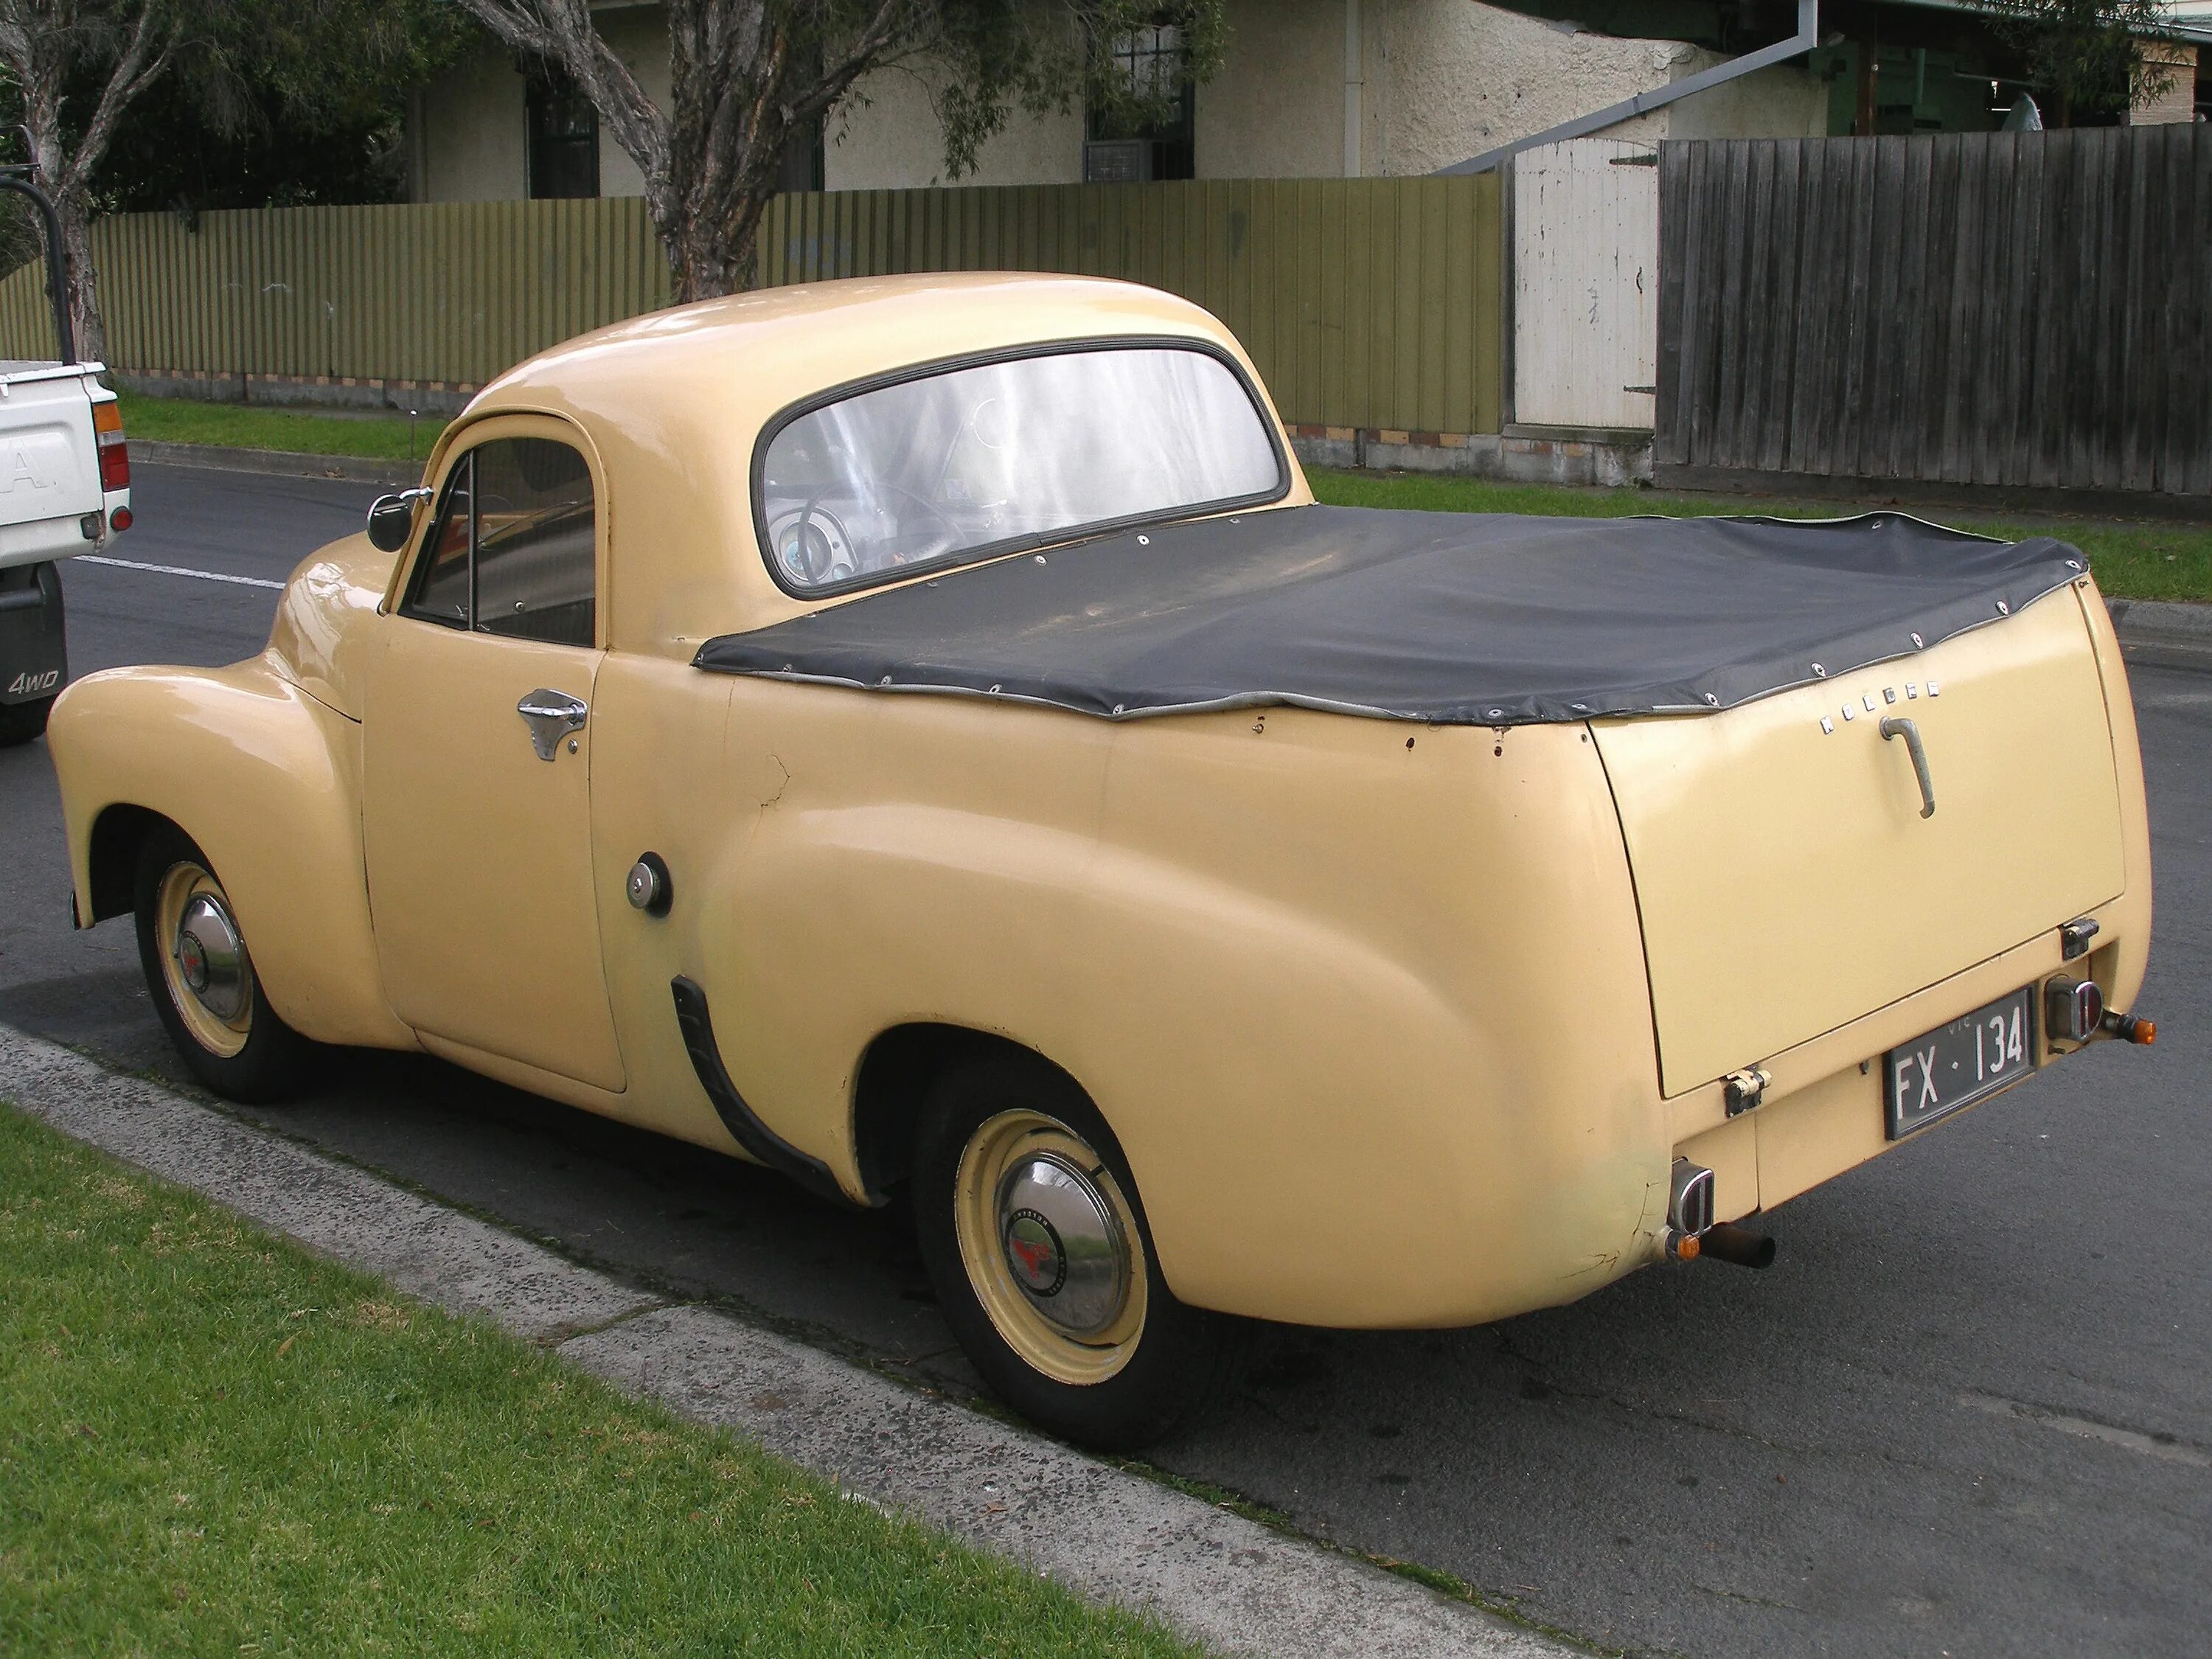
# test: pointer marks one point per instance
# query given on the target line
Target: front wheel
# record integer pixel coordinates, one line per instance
(202, 978)
(20, 722)
(1034, 1237)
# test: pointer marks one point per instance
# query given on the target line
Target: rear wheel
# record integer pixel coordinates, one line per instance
(202, 977)
(20, 722)
(1036, 1241)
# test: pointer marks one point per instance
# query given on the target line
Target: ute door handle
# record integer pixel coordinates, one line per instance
(551, 716)
(1895, 726)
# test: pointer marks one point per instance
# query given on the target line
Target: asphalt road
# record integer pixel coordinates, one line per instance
(1968, 1411)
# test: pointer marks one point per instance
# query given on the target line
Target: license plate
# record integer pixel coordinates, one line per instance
(1956, 1065)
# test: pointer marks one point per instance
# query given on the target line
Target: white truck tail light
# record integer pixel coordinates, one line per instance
(115, 454)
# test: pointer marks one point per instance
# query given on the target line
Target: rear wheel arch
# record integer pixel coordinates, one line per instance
(896, 1071)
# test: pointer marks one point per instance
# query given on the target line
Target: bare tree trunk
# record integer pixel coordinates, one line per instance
(738, 89)
(42, 122)
(86, 321)
(716, 252)
(39, 48)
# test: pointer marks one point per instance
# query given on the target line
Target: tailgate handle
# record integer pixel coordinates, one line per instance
(1894, 726)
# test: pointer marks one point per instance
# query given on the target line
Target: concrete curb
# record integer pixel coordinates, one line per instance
(280, 462)
(1211, 1575)
(2164, 632)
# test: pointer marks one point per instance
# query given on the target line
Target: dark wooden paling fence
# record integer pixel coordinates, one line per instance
(2028, 311)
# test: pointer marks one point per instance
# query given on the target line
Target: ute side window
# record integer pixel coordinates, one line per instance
(513, 549)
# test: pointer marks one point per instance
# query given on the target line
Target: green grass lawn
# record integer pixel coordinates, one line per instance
(2144, 560)
(304, 432)
(212, 1442)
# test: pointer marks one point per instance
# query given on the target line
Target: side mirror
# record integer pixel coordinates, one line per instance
(391, 521)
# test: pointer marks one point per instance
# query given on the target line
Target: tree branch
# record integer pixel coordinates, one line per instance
(561, 32)
(139, 64)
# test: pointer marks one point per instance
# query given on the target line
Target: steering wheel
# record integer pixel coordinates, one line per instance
(952, 524)
(813, 548)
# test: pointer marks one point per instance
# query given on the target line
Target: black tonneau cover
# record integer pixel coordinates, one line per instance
(1453, 618)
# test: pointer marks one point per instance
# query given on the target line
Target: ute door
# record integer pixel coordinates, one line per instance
(478, 735)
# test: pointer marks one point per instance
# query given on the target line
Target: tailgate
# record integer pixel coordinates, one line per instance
(49, 465)
(1787, 880)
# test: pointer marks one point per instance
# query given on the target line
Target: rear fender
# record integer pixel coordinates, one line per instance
(1336, 1116)
(266, 780)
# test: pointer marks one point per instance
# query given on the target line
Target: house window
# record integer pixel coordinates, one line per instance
(801, 166)
(1124, 148)
(563, 140)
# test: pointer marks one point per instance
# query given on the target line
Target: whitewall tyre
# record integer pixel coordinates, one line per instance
(202, 978)
(1036, 1241)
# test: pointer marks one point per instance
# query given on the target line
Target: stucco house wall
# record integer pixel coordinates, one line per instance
(466, 130)
(886, 136)
(1310, 88)
(639, 35)
(465, 135)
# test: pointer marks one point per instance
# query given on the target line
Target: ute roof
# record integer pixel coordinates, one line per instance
(753, 353)
(672, 403)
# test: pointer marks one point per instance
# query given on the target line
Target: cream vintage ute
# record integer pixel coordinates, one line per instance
(922, 734)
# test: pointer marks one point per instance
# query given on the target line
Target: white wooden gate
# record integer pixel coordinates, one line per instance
(1586, 285)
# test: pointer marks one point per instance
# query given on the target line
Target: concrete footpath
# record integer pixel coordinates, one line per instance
(2163, 633)
(1227, 1582)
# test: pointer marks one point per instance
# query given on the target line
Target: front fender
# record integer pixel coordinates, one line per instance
(266, 780)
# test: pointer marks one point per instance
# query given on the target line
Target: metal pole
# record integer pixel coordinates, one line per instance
(57, 259)
(1807, 38)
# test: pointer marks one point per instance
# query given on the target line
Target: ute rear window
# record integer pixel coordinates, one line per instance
(953, 465)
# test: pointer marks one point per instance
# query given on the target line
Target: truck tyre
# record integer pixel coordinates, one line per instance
(20, 722)
(202, 980)
(1036, 1243)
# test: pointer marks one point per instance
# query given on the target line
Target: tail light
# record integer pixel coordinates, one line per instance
(114, 455)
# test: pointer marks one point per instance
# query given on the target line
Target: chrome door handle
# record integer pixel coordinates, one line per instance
(1896, 727)
(552, 716)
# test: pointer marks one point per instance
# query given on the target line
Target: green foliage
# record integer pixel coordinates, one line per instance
(257, 103)
(2087, 56)
(278, 103)
(212, 1442)
(1005, 55)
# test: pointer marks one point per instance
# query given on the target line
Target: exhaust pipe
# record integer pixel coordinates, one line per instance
(1727, 1242)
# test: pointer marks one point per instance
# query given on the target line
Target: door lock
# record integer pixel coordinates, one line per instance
(647, 885)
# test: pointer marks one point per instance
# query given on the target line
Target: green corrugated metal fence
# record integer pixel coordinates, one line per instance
(1366, 302)
(451, 292)
(1373, 303)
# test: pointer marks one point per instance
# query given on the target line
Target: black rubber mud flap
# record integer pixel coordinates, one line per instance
(744, 1126)
(34, 654)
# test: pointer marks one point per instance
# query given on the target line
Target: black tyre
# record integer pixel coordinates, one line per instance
(20, 722)
(1036, 1241)
(202, 977)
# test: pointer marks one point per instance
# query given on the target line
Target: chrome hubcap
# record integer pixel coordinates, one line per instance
(1063, 1244)
(210, 956)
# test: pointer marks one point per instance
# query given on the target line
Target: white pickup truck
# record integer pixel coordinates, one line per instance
(64, 489)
